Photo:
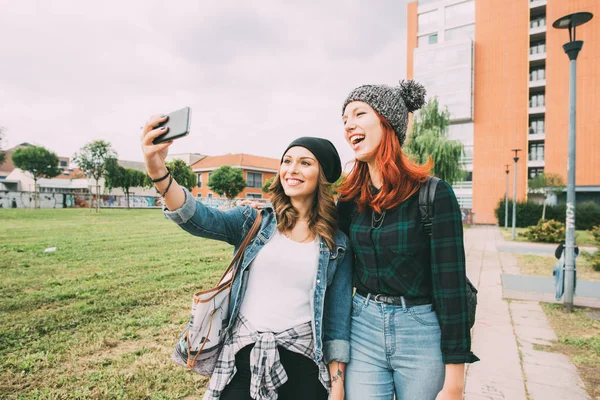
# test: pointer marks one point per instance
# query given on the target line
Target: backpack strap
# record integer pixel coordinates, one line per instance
(426, 201)
(347, 211)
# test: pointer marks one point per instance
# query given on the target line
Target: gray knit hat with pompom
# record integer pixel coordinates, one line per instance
(391, 102)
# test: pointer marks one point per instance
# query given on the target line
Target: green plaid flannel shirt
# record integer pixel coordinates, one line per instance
(400, 259)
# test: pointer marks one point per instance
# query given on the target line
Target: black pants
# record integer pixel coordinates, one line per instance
(302, 384)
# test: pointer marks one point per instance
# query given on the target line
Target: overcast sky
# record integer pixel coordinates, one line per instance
(256, 74)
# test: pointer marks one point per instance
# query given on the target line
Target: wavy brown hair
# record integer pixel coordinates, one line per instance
(400, 176)
(322, 216)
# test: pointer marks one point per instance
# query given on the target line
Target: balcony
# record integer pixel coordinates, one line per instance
(537, 163)
(468, 185)
(538, 110)
(540, 83)
(533, 4)
(538, 33)
(537, 57)
(536, 136)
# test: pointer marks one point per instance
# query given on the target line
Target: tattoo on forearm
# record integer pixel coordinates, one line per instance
(339, 375)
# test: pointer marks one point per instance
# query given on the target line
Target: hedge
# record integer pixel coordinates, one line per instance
(587, 214)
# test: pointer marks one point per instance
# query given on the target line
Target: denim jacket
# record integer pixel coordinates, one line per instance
(331, 298)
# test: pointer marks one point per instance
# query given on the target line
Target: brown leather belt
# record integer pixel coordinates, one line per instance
(396, 300)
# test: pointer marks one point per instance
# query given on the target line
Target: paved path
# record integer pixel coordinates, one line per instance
(504, 334)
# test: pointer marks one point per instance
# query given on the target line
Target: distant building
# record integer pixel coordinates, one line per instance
(256, 169)
(7, 166)
(500, 68)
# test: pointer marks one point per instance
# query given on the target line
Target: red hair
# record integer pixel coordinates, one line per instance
(400, 176)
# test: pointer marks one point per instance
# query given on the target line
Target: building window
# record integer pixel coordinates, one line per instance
(428, 21)
(537, 48)
(199, 195)
(533, 172)
(536, 152)
(254, 179)
(199, 182)
(537, 74)
(537, 23)
(210, 195)
(254, 196)
(467, 31)
(537, 100)
(427, 40)
(468, 156)
(460, 14)
(536, 126)
(63, 163)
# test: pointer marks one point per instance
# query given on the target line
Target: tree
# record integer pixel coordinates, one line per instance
(2, 153)
(39, 162)
(267, 185)
(228, 181)
(429, 138)
(337, 183)
(124, 178)
(91, 159)
(547, 184)
(183, 174)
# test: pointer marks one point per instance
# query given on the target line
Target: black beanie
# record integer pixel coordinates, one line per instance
(325, 153)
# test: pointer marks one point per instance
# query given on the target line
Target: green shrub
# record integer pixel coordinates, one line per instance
(550, 231)
(593, 258)
(596, 233)
(587, 214)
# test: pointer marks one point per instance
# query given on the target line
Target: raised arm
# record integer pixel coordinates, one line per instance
(181, 206)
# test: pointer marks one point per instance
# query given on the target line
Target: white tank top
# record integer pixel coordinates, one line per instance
(280, 284)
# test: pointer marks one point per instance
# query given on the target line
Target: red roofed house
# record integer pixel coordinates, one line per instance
(256, 169)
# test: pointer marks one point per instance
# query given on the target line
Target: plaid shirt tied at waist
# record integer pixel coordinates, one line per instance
(267, 371)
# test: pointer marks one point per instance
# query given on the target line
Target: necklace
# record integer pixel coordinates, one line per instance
(376, 222)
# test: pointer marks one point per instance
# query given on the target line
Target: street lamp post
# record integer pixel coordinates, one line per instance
(514, 213)
(572, 48)
(506, 201)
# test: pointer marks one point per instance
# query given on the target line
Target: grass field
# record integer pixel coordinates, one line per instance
(98, 317)
(531, 264)
(582, 238)
(579, 338)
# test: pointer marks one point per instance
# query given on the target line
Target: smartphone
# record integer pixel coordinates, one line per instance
(178, 123)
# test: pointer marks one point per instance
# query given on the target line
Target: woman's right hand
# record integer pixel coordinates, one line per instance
(154, 154)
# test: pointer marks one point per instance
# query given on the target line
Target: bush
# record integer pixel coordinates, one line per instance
(596, 233)
(550, 231)
(593, 258)
(587, 214)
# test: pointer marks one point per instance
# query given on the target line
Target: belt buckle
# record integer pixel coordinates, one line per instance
(376, 299)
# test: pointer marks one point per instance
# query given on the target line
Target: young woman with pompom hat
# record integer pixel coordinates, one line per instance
(410, 333)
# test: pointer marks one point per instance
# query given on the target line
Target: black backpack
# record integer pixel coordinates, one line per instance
(427, 211)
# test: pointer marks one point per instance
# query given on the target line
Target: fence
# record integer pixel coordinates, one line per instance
(87, 200)
(10, 199)
(73, 200)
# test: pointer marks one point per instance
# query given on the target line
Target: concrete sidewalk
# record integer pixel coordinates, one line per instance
(505, 333)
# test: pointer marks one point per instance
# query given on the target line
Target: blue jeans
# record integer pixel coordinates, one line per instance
(393, 350)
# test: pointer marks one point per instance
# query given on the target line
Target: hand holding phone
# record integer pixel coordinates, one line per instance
(177, 125)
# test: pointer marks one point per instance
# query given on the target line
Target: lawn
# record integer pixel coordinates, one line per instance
(98, 317)
(579, 338)
(582, 238)
(530, 264)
